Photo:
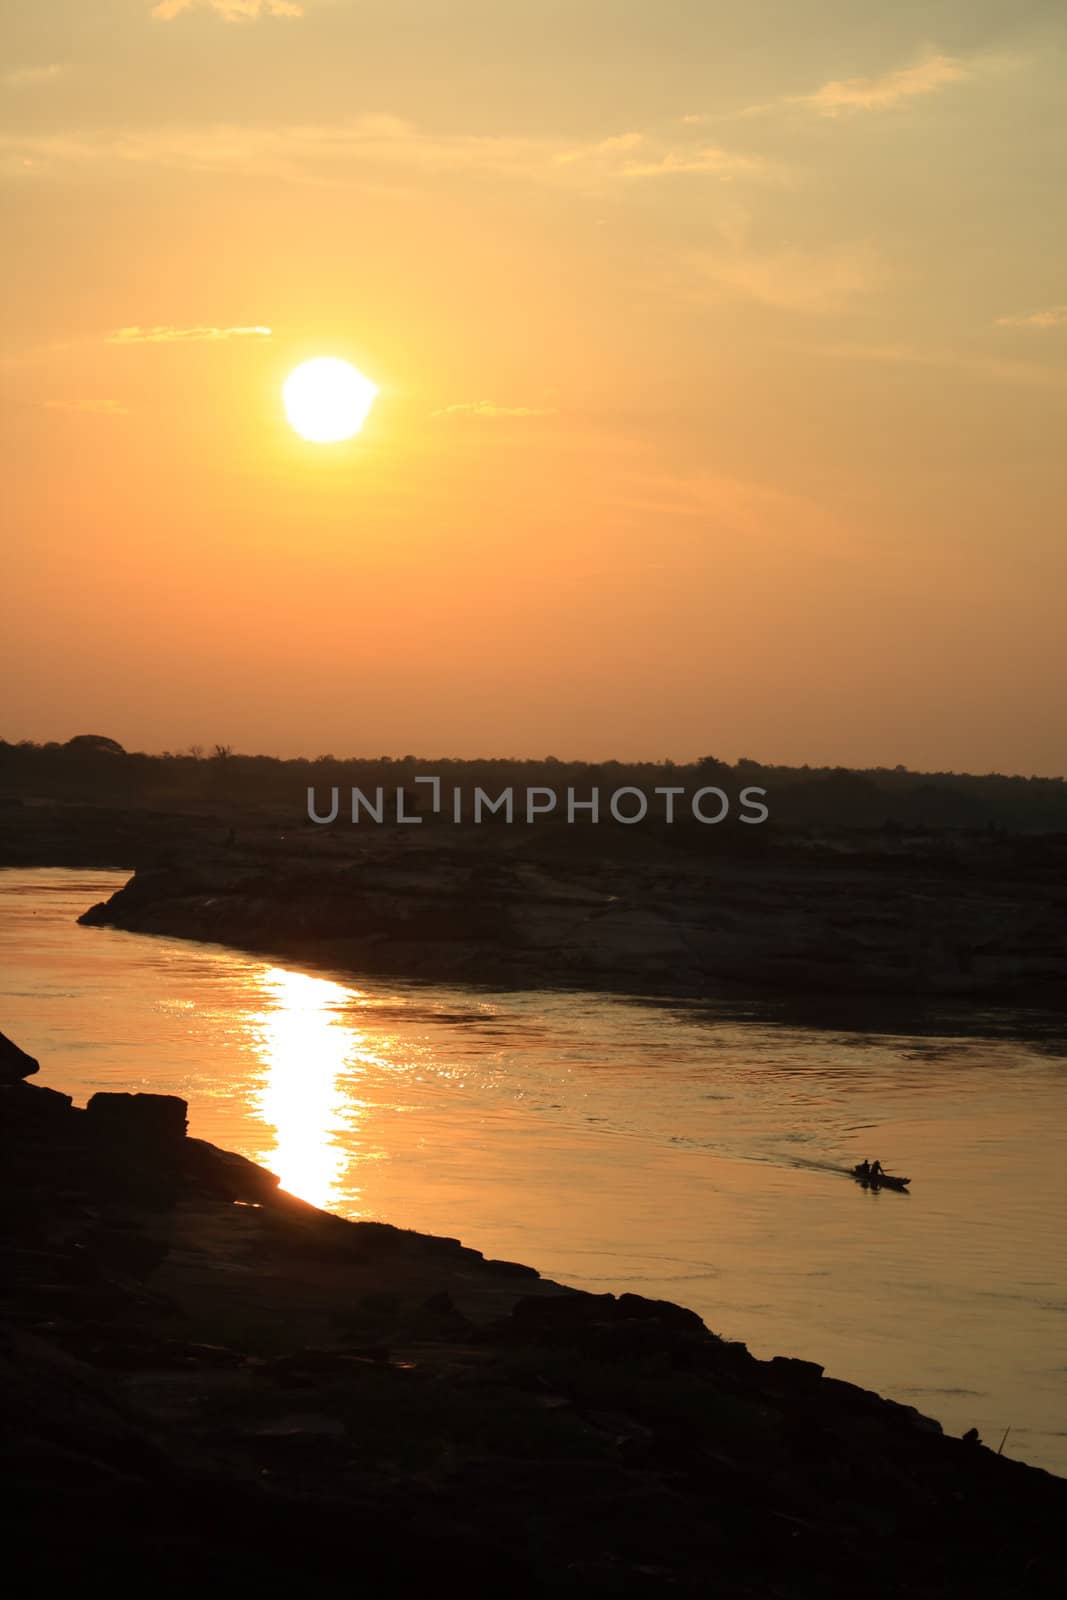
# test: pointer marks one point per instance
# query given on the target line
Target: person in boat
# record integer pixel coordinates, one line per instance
(876, 1170)
(863, 1170)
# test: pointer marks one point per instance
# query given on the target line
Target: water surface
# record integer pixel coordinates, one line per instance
(677, 1151)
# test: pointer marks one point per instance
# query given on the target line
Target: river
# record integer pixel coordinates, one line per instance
(685, 1152)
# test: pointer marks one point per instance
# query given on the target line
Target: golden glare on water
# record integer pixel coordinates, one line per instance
(305, 1047)
(327, 400)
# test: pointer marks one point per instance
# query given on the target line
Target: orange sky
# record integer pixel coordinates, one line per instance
(721, 358)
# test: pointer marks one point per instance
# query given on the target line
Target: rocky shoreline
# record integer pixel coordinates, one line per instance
(206, 1379)
(792, 916)
(806, 918)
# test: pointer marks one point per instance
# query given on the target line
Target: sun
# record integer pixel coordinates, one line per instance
(327, 400)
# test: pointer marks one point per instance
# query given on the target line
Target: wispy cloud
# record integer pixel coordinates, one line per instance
(794, 279)
(844, 96)
(709, 161)
(486, 408)
(638, 155)
(33, 77)
(97, 408)
(168, 335)
(374, 148)
(886, 91)
(1050, 317)
(228, 10)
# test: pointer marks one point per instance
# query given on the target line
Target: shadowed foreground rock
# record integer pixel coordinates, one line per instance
(205, 1380)
(15, 1064)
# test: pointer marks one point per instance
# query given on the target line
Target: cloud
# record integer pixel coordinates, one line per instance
(228, 10)
(486, 408)
(710, 161)
(638, 155)
(168, 335)
(1051, 317)
(884, 92)
(794, 279)
(33, 77)
(98, 408)
(890, 89)
(376, 147)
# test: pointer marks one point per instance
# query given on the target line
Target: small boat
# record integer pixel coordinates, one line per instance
(880, 1180)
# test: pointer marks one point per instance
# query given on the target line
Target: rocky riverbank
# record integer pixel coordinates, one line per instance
(781, 913)
(844, 916)
(206, 1380)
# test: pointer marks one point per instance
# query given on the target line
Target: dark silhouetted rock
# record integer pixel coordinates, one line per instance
(795, 1373)
(15, 1064)
(31, 1103)
(608, 1328)
(584, 1310)
(510, 1269)
(227, 1175)
(150, 1117)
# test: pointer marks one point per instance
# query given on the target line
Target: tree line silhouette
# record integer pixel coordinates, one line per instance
(91, 768)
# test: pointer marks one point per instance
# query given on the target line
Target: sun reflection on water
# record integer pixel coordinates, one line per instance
(308, 1046)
